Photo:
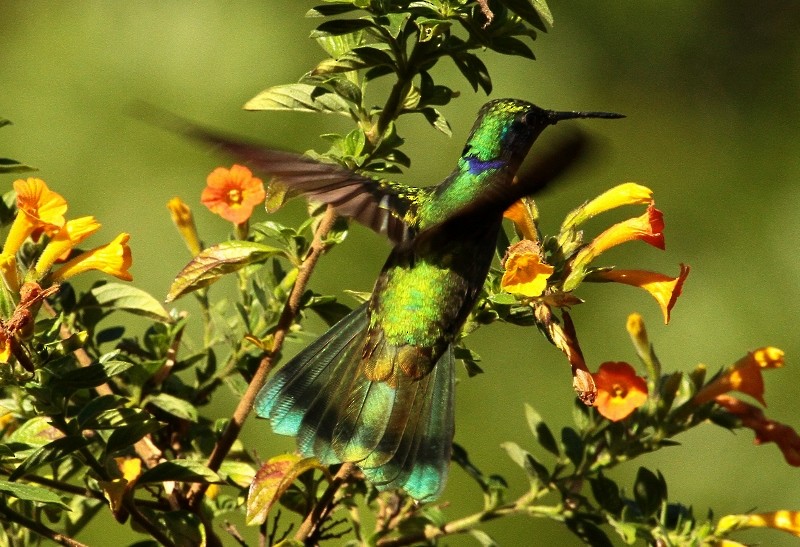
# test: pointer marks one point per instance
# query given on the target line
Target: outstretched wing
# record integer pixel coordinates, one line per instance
(386, 207)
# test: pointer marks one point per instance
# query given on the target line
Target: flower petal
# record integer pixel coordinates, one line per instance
(113, 258)
(232, 193)
(619, 390)
(663, 288)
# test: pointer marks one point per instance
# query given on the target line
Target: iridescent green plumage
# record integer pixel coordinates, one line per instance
(377, 388)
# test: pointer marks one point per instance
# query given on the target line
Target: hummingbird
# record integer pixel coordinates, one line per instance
(377, 388)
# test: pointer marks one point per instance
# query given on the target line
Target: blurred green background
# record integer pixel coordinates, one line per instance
(711, 90)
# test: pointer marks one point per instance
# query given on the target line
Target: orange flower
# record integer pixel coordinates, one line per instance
(520, 214)
(525, 274)
(663, 288)
(184, 220)
(619, 390)
(628, 193)
(766, 430)
(787, 521)
(232, 193)
(743, 376)
(113, 258)
(39, 208)
(647, 227)
(67, 238)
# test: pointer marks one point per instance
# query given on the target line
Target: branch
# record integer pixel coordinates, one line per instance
(311, 525)
(290, 311)
(38, 527)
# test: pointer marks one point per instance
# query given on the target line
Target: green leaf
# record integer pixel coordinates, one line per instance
(181, 471)
(341, 26)
(534, 12)
(13, 166)
(509, 45)
(483, 538)
(535, 470)
(119, 296)
(589, 532)
(540, 431)
(214, 262)
(436, 119)
(299, 98)
(431, 28)
(473, 70)
(127, 435)
(573, 445)
(272, 480)
(173, 405)
(29, 492)
(49, 453)
(336, 46)
(331, 9)
(649, 491)
(87, 417)
(606, 492)
(358, 58)
(37, 431)
(92, 376)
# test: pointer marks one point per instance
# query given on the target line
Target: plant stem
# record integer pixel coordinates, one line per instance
(38, 527)
(288, 315)
(311, 525)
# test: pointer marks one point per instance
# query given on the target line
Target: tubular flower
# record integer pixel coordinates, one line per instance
(766, 430)
(743, 376)
(113, 258)
(628, 193)
(647, 227)
(67, 238)
(525, 273)
(520, 214)
(5, 347)
(184, 220)
(39, 208)
(232, 193)
(619, 390)
(663, 288)
(787, 521)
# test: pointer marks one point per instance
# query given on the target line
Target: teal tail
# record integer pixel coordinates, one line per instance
(400, 436)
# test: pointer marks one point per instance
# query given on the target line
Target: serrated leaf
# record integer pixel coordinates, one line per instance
(299, 98)
(214, 262)
(30, 492)
(180, 471)
(272, 480)
(49, 453)
(119, 296)
(173, 405)
(540, 431)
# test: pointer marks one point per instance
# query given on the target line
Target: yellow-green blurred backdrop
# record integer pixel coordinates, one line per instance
(711, 90)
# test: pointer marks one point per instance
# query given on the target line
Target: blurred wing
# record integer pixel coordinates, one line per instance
(385, 207)
(532, 178)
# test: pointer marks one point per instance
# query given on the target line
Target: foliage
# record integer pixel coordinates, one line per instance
(99, 424)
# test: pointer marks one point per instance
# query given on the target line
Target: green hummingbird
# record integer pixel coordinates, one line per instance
(377, 388)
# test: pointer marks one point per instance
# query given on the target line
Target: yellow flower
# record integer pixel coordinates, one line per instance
(663, 288)
(113, 258)
(520, 214)
(628, 193)
(8, 271)
(525, 274)
(38, 208)
(787, 521)
(743, 376)
(5, 347)
(66, 239)
(648, 228)
(232, 193)
(184, 220)
(619, 390)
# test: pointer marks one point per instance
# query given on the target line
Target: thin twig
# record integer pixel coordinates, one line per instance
(311, 525)
(290, 311)
(38, 527)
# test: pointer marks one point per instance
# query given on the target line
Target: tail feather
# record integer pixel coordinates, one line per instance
(399, 432)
